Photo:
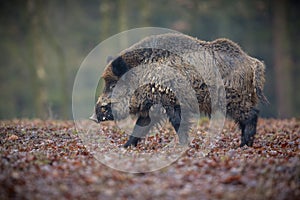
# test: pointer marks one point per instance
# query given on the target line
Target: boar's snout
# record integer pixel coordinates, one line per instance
(103, 112)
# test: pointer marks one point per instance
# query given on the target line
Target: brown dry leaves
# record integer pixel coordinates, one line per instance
(46, 159)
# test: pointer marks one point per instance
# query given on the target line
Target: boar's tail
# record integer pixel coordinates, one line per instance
(261, 96)
(259, 80)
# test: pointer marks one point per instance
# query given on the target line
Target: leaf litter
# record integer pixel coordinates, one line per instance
(48, 160)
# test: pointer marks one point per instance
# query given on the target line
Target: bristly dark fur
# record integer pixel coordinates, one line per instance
(243, 78)
(119, 67)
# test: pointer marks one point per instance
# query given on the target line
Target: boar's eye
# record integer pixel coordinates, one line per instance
(112, 86)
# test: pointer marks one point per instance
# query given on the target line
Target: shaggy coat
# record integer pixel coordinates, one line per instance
(197, 64)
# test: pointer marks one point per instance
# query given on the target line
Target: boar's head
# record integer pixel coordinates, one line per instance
(112, 73)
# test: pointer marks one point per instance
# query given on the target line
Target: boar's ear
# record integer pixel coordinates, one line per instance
(109, 58)
(119, 66)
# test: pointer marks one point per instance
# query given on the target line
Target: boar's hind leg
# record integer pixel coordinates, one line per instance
(140, 130)
(248, 128)
(180, 125)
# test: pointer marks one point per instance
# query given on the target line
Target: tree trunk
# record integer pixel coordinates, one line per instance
(37, 64)
(123, 22)
(282, 60)
(145, 10)
(62, 68)
(106, 9)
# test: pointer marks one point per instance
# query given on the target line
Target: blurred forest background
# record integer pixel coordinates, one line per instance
(44, 42)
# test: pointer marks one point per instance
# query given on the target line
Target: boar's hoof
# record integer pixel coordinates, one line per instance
(133, 141)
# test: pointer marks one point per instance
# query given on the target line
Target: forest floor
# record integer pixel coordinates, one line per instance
(48, 160)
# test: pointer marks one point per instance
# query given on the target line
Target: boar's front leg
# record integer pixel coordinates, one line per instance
(180, 124)
(140, 130)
